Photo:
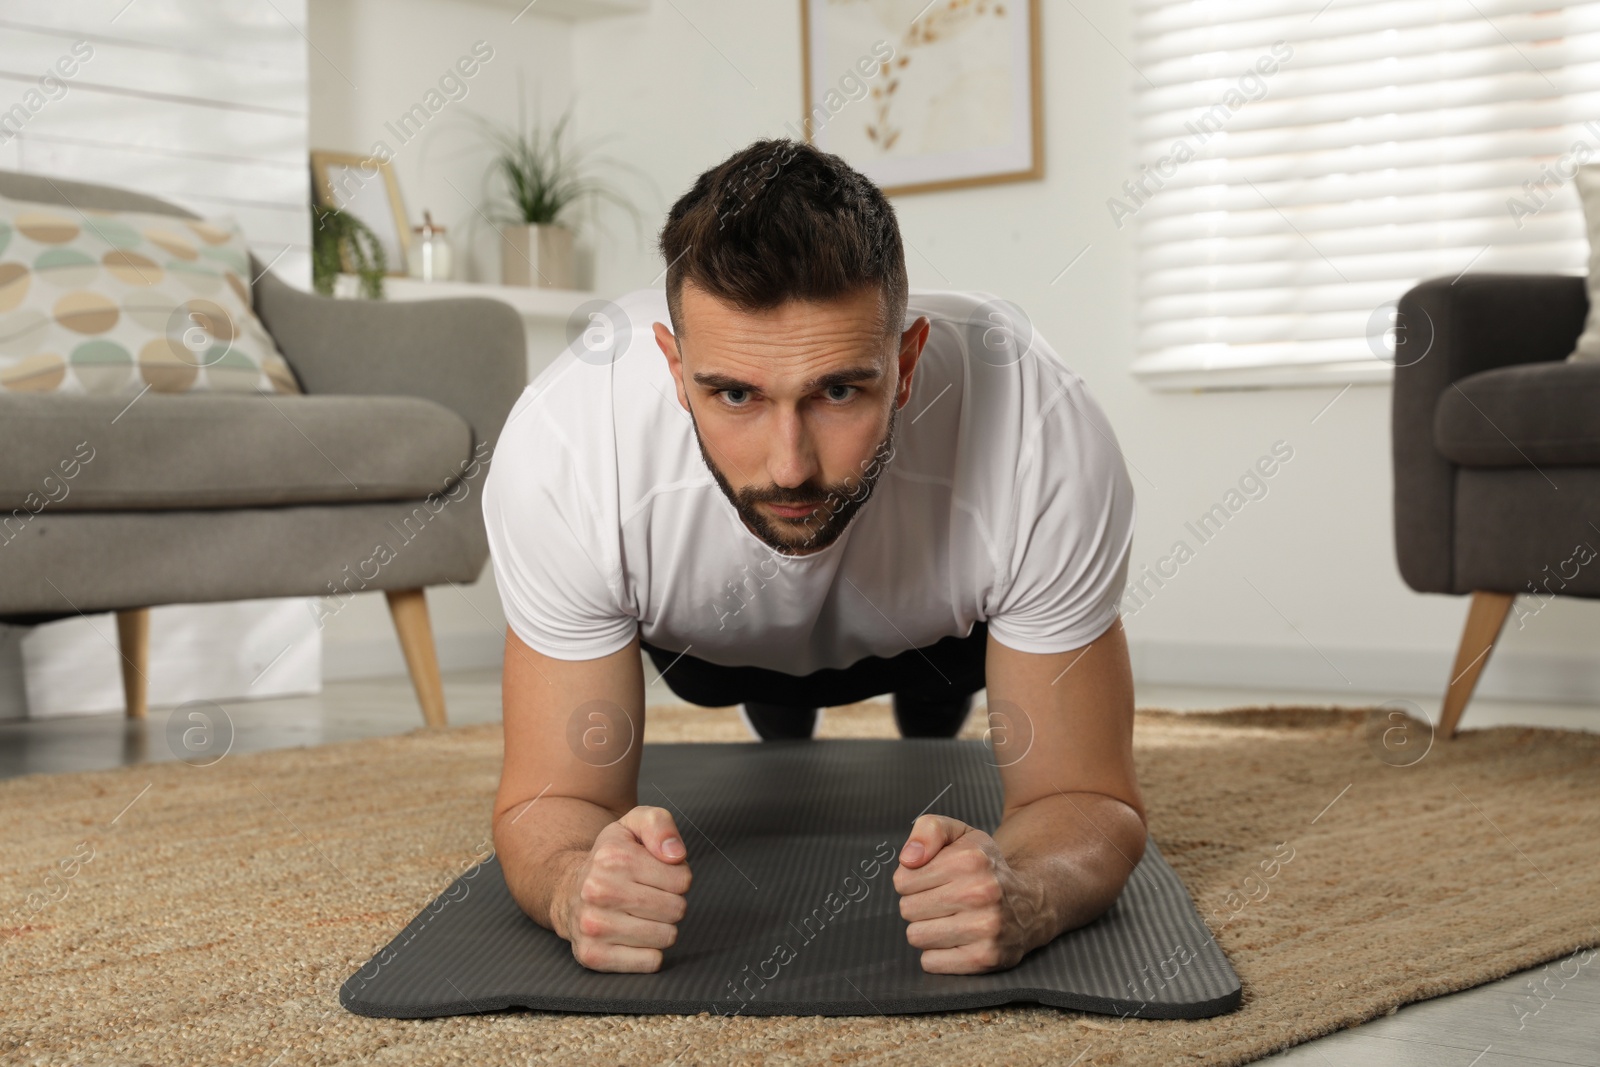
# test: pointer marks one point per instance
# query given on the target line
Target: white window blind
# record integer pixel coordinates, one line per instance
(200, 102)
(1338, 157)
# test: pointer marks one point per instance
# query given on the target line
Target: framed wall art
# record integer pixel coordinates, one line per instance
(921, 95)
(367, 188)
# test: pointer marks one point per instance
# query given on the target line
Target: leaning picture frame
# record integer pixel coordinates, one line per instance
(924, 96)
(366, 188)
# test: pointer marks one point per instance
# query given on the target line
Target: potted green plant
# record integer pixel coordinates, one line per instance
(540, 180)
(343, 244)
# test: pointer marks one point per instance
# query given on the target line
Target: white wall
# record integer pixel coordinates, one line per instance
(370, 61)
(677, 83)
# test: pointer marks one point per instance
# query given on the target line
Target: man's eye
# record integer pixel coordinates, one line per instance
(728, 395)
(847, 396)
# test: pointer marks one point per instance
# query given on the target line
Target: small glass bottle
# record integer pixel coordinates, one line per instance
(430, 252)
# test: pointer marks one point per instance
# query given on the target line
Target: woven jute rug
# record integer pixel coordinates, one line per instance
(185, 914)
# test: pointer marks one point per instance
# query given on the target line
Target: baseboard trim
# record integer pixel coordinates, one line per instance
(1517, 676)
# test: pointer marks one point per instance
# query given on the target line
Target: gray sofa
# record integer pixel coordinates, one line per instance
(369, 481)
(1496, 444)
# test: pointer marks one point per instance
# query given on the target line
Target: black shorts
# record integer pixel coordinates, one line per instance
(948, 669)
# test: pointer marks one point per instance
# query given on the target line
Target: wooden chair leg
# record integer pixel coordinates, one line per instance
(409, 609)
(1485, 618)
(133, 642)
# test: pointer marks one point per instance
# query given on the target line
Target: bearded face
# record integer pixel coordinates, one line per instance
(828, 508)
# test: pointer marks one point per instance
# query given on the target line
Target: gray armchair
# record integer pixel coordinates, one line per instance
(368, 481)
(1496, 444)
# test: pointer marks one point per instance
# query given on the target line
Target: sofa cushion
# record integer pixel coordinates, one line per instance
(116, 302)
(1531, 413)
(94, 453)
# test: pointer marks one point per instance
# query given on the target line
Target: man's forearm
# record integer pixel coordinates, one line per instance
(1073, 852)
(539, 853)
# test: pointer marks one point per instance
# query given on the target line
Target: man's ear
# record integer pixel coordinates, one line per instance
(668, 343)
(911, 344)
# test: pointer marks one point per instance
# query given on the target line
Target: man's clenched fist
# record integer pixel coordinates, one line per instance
(969, 911)
(621, 903)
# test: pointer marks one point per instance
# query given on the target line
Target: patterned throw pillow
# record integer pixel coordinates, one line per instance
(110, 302)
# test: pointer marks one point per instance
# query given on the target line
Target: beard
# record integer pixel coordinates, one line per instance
(825, 524)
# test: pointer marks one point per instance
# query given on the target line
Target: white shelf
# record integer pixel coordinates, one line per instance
(575, 10)
(551, 305)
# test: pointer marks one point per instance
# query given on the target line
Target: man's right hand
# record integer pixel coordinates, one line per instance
(620, 902)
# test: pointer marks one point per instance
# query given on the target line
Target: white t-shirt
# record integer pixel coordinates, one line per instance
(1006, 499)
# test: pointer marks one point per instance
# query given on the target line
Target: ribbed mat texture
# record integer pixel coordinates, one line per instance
(793, 909)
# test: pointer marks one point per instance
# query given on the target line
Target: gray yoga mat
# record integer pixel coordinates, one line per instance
(793, 909)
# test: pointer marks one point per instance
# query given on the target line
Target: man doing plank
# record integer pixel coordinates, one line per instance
(794, 484)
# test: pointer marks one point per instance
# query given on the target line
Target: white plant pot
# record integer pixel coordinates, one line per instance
(538, 255)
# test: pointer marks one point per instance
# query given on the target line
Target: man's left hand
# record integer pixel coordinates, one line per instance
(970, 911)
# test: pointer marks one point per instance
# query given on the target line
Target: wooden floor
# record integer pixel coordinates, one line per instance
(1475, 1028)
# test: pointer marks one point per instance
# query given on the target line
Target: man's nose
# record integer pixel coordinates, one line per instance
(792, 460)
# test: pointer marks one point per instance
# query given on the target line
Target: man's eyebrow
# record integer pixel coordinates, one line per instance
(848, 376)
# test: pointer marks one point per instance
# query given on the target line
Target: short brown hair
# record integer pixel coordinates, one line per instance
(782, 220)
